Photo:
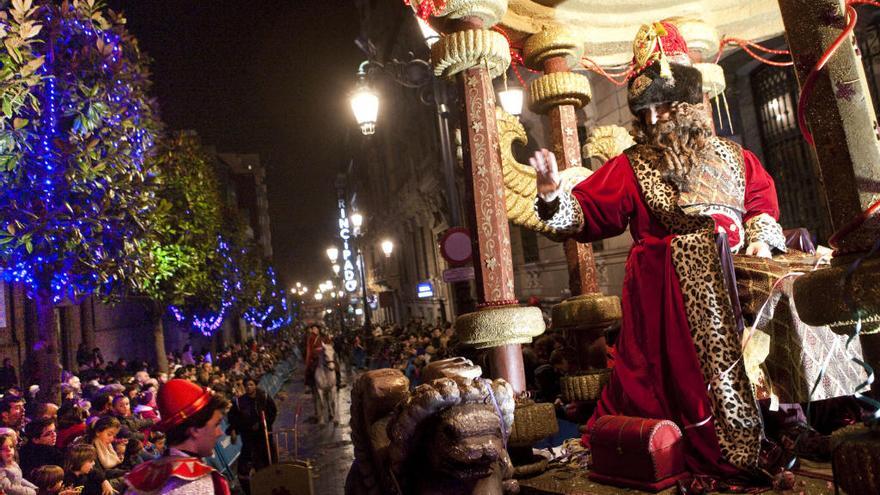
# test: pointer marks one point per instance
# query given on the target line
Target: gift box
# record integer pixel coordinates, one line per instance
(646, 454)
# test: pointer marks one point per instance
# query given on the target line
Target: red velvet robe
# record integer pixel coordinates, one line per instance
(657, 370)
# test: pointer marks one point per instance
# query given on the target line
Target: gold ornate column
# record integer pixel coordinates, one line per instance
(474, 54)
(557, 94)
(841, 117)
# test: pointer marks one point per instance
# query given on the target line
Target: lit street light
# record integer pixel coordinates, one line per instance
(356, 221)
(387, 248)
(319, 296)
(365, 103)
(336, 269)
(333, 254)
(511, 100)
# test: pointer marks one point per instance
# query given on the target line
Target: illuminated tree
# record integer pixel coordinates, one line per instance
(76, 128)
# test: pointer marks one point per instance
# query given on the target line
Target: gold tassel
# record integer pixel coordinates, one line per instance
(665, 69)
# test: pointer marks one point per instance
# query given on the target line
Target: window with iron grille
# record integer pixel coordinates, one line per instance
(868, 38)
(787, 156)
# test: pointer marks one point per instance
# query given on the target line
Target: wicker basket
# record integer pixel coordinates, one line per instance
(532, 422)
(855, 460)
(585, 386)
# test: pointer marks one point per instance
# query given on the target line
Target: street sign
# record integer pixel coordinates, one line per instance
(456, 246)
(460, 274)
(424, 289)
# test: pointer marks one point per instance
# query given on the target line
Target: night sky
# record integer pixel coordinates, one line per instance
(268, 77)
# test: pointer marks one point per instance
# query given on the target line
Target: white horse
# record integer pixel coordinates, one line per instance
(325, 385)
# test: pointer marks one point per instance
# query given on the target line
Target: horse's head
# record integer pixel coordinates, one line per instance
(329, 356)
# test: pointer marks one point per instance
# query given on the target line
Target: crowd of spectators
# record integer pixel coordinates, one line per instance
(411, 346)
(406, 347)
(102, 423)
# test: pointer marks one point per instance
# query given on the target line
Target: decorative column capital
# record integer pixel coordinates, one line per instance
(714, 82)
(557, 89)
(701, 37)
(489, 12)
(552, 42)
(462, 50)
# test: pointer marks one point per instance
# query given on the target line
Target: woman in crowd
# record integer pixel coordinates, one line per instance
(101, 436)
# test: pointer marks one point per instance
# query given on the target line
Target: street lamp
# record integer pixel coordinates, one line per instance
(356, 221)
(365, 103)
(387, 248)
(511, 98)
(336, 269)
(333, 254)
(319, 296)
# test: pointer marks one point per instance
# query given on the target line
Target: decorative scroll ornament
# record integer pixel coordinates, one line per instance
(607, 141)
(493, 327)
(552, 41)
(559, 88)
(489, 11)
(462, 50)
(520, 188)
(713, 79)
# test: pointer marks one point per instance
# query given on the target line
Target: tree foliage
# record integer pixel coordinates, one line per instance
(182, 246)
(79, 188)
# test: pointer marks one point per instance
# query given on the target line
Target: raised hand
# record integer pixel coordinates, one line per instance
(760, 249)
(547, 174)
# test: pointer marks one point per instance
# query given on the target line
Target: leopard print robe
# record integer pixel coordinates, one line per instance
(737, 420)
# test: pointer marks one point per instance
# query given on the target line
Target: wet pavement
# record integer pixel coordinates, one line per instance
(329, 448)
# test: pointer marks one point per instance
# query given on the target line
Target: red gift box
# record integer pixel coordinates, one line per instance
(647, 454)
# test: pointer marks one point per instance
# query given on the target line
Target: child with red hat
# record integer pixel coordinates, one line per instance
(191, 417)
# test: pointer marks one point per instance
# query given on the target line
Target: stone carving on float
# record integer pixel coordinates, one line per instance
(519, 179)
(607, 141)
(447, 436)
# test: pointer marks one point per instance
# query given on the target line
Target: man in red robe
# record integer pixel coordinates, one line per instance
(679, 352)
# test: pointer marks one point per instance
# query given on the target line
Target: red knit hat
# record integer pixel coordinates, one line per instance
(180, 399)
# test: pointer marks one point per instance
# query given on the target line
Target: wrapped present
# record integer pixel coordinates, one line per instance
(646, 454)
